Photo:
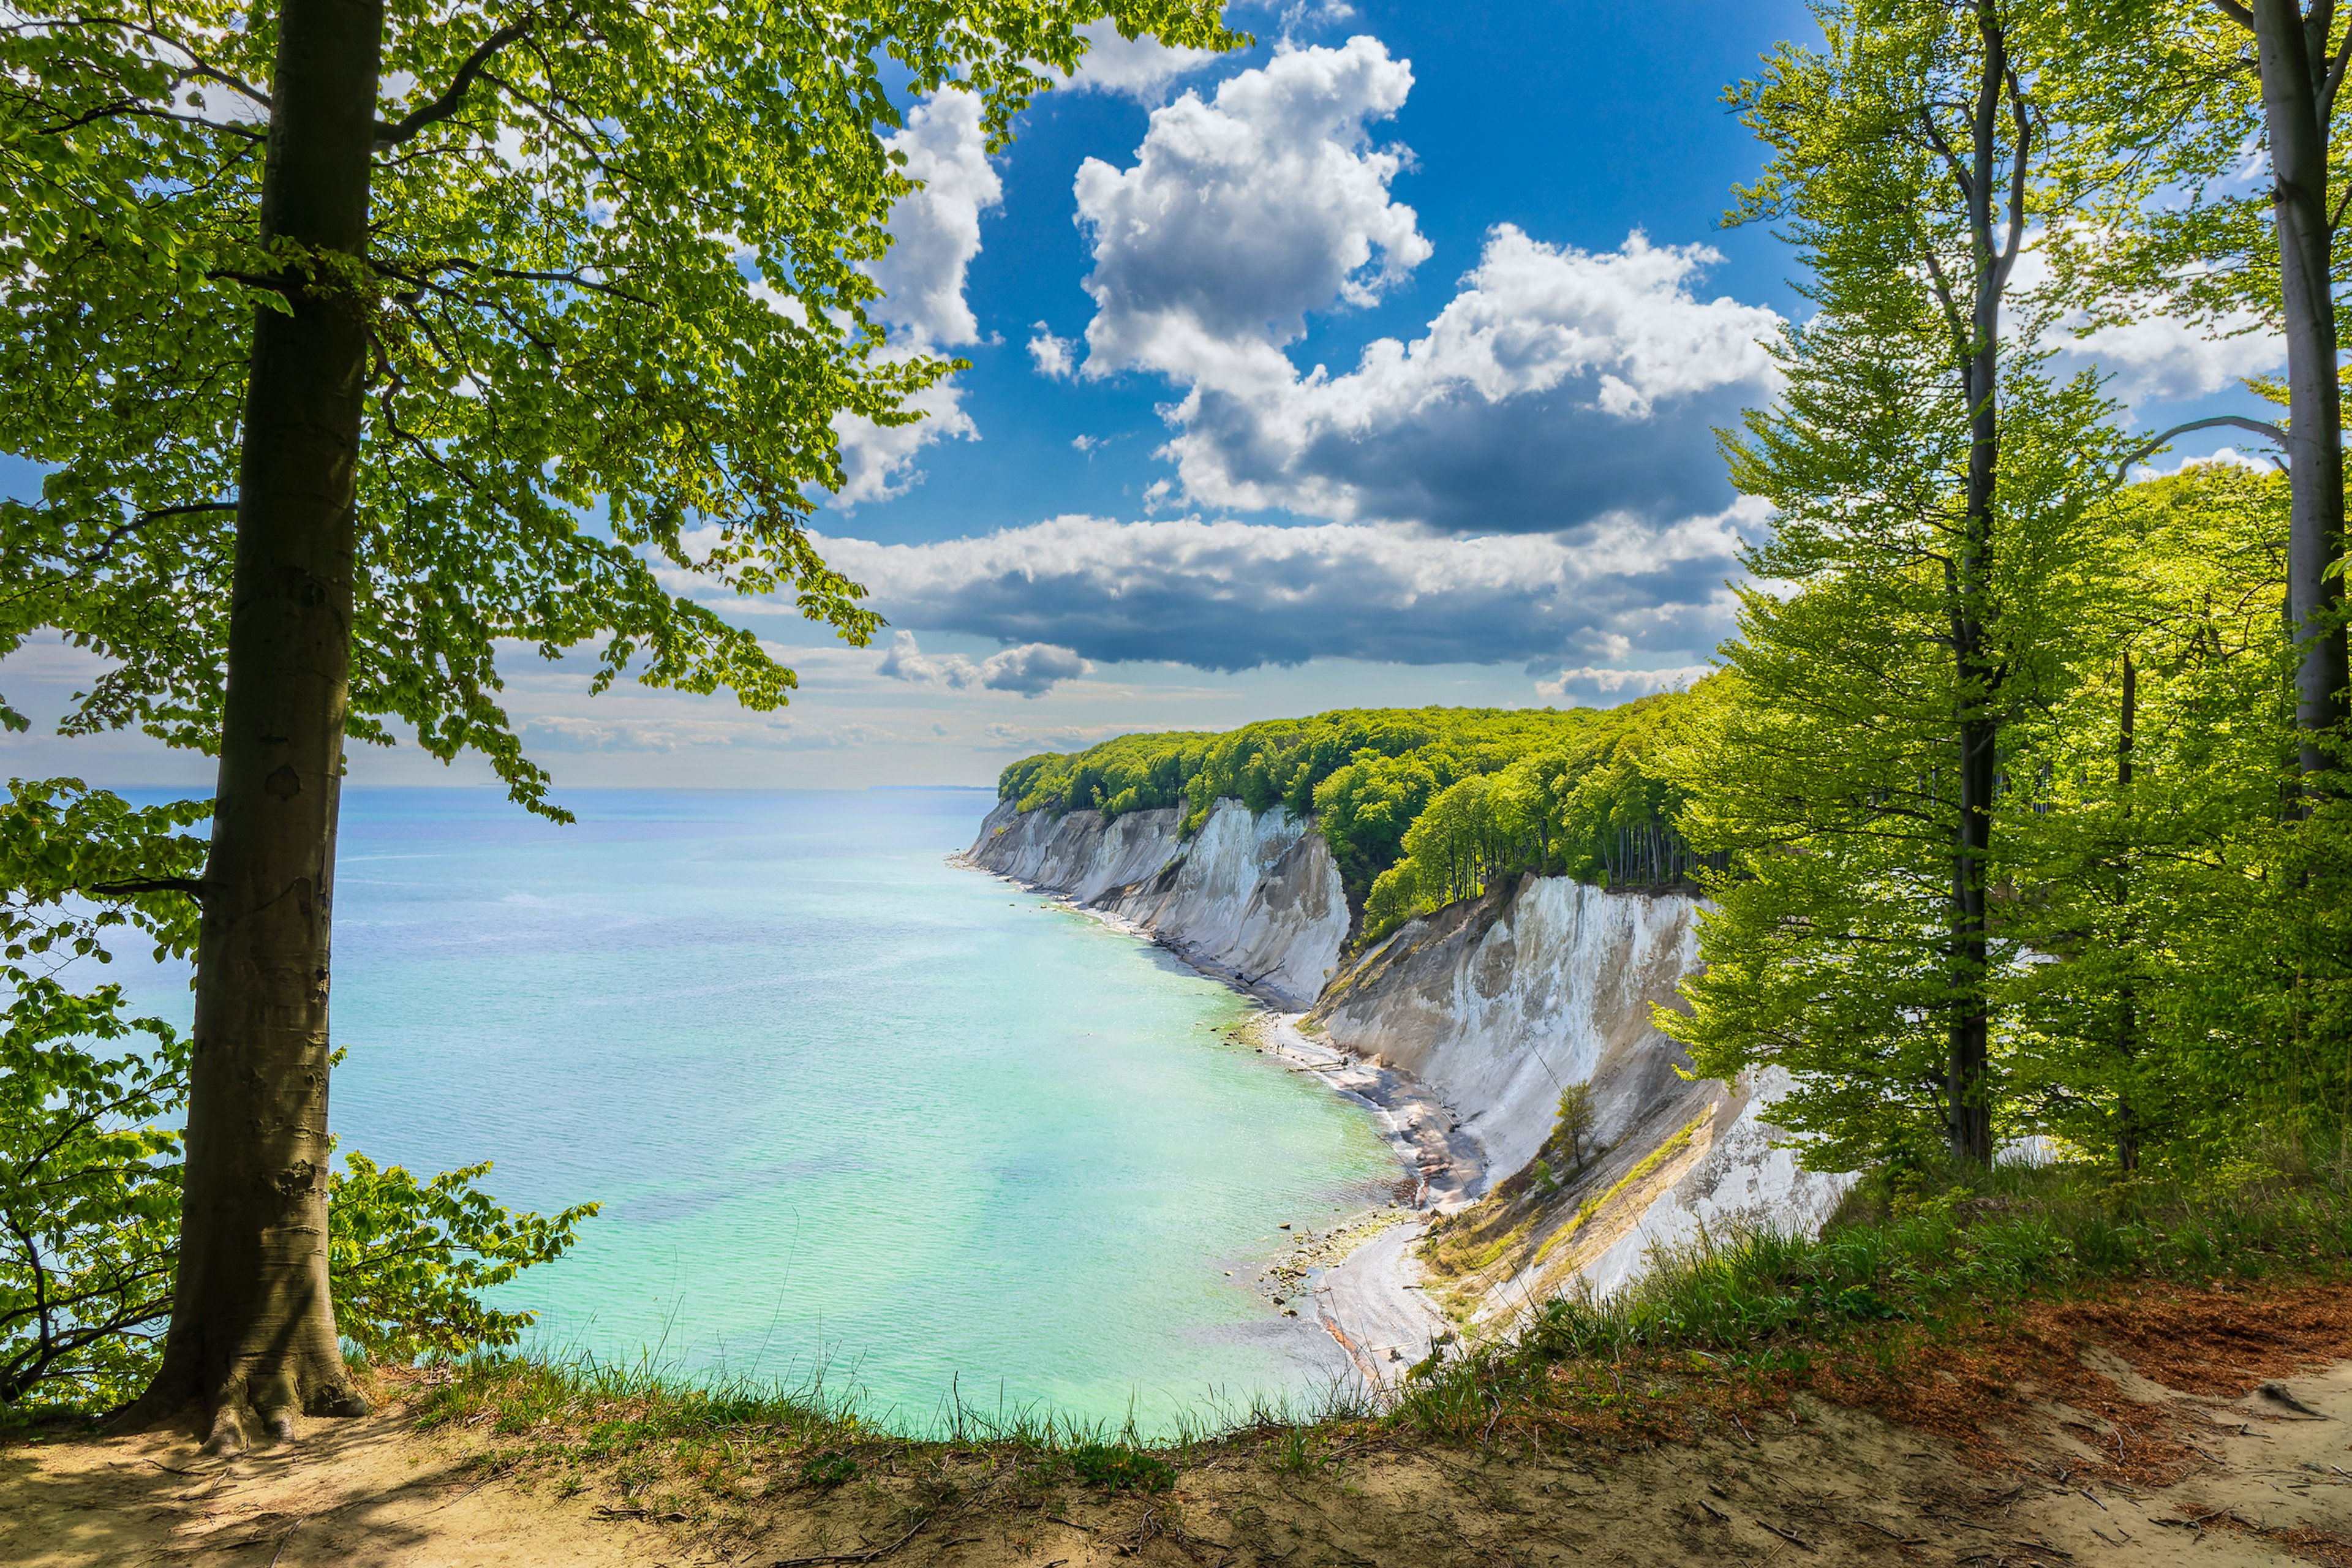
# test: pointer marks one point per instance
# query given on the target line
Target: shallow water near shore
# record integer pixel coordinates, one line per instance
(847, 1107)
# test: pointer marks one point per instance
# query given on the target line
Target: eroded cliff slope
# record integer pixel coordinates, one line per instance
(1501, 1003)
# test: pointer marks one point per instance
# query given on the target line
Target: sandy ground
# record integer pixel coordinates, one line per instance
(1807, 1483)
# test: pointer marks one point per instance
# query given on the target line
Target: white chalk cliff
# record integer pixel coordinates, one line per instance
(1252, 897)
(1495, 1005)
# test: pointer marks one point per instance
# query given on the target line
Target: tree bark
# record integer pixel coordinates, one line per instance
(2297, 114)
(253, 1329)
(1966, 1091)
(2127, 1126)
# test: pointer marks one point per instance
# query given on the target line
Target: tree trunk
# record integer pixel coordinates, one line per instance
(1965, 1090)
(253, 1329)
(2128, 1127)
(2291, 111)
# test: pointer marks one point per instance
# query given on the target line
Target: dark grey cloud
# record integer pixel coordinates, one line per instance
(1235, 595)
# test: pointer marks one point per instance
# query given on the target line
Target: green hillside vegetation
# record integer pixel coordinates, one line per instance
(1422, 806)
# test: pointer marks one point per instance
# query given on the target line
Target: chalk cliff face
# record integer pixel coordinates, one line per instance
(1255, 898)
(1495, 1005)
(1500, 1003)
(1503, 1002)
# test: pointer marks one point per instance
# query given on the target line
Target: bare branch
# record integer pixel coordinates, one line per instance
(115, 535)
(477, 269)
(2334, 78)
(1951, 159)
(191, 886)
(390, 136)
(2018, 159)
(2269, 432)
(1952, 317)
(2236, 13)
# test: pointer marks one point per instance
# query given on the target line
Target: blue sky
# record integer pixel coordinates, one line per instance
(1377, 364)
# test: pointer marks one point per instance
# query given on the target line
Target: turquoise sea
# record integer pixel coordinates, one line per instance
(847, 1108)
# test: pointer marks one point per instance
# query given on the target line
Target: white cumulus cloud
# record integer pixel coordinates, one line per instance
(1242, 214)
(935, 234)
(1604, 688)
(1140, 68)
(1031, 670)
(1053, 356)
(2155, 356)
(1558, 386)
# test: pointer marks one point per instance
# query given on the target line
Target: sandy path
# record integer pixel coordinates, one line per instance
(1371, 1306)
(358, 1493)
(1815, 1484)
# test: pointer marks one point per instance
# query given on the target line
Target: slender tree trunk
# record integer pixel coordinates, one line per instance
(253, 1329)
(2127, 1121)
(2294, 88)
(1966, 1089)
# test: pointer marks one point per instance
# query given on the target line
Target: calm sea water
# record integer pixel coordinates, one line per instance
(847, 1107)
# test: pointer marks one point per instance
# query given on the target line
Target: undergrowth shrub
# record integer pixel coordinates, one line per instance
(1891, 1261)
(1115, 1467)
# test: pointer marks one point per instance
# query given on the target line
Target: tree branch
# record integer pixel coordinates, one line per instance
(99, 551)
(197, 64)
(390, 136)
(1936, 281)
(2238, 421)
(477, 269)
(191, 886)
(2236, 13)
(2334, 80)
(2019, 157)
(1951, 159)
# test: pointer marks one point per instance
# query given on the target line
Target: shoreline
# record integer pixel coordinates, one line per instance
(1369, 1299)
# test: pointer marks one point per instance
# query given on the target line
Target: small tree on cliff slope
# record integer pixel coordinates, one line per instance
(332, 321)
(1930, 486)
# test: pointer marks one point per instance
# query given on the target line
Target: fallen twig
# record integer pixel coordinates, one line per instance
(1789, 1535)
(869, 1556)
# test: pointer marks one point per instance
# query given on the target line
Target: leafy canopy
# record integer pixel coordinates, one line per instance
(616, 311)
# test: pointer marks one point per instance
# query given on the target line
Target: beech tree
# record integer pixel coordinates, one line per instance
(2301, 65)
(1930, 482)
(360, 337)
(2212, 81)
(2162, 904)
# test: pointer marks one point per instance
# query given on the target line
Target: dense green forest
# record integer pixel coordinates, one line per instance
(1422, 806)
